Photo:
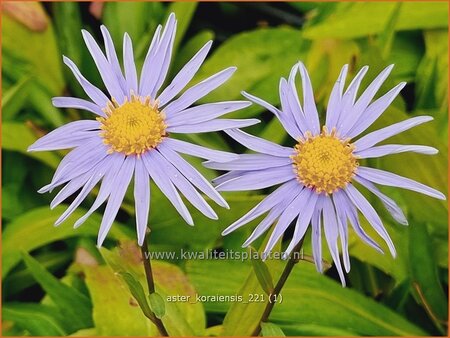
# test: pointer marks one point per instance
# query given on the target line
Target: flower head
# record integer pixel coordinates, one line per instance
(131, 136)
(317, 175)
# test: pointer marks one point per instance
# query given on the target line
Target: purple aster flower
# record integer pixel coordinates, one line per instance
(317, 175)
(131, 137)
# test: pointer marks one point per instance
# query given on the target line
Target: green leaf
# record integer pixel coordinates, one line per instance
(271, 330)
(138, 293)
(35, 228)
(308, 298)
(75, 308)
(262, 272)
(424, 274)
(386, 38)
(42, 102)
(14, 99)
(353, 20)
(36, 319)
(18, 137)
(157, 304)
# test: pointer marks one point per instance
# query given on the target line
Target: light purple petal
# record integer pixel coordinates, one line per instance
(316, 237)
(205, 112)
(288, 215)
(70, 188)
(112, 58)
(342, 226)
(250, 162)
(141, 199)
(334, 102)
(372, 113)
(191, 174)
(115, 199)
(129, 65)
(331, 234)
(108, 183)
(104, 68)
(389, 203)
(379, 135)
(294, 102)
(74, 102)
(184, 76)
(148, 79)
(258, 179)
(93, 92)
(389, 149)
(186, 188)
(386, 178)
(67, 136)
(198, 151)
(291, 129)
(213, 125)
(303, 220)
(291, 188)
(370, 214)
(346, 117)
(287, 113)
(198, 91)
(165, 185)
(309, 105)
(227, 177)
(258, 144)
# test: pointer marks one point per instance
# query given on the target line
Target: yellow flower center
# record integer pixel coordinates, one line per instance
(324, 162)
(133, 127)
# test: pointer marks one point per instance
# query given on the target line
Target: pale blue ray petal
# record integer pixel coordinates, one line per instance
(389, 203)
(352, 214)
(342, 226)
(287, 113)
(379, 135)
(366, 97)
(147, 79)
(69, 134)
(104, 68)
(346, 115)
(70, 188)
(370, 214)
(191, 174)
(303, 220)
(293, 132)
(316, 237)
(227, 177)
(198, 91)
(331, 234)
(250, 162)
(129, 65)
(141, 199)
(388, 149)
(115, 199)
(294, 102)
(160, 178)
(205, 112)
(386, 178)
(74, 102)
(258, 179)
(213, 125)
(309, 104)
(112, 58)
(108, 183)
(334, 102)
(288, 189)
(184, 186)
(184, 76)
(92, 91)
(258, 144)
(199, 151)
(372, 113)
(288, 215)
(96, 175)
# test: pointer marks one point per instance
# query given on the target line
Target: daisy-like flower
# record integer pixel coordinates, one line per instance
(317, 175)
(131, 137)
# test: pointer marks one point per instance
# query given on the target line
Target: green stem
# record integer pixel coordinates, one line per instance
(293, 259)
(151, 285)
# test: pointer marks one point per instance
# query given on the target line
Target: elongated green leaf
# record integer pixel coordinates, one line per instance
(262, 273)
(35, 229)
(157, 304)
(37, 319)
(424, 273)
(309, 298)
(352, 20)
(271, 330)
(75, 308)
(14, 99)
(138, 293)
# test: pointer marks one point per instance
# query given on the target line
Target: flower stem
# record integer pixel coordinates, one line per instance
(151, 285)
(293, 259)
